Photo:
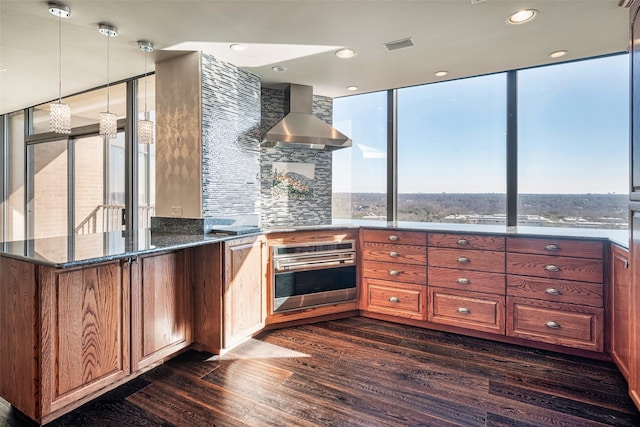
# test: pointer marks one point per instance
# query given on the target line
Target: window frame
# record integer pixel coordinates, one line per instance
(511, 141)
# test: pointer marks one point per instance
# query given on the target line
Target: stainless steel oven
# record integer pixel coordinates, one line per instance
(313, 274)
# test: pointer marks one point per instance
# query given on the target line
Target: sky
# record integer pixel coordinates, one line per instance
(573, 133)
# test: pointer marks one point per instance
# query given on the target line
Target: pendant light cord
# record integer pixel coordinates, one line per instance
(145, 85)
(108, 37)
(59, 58)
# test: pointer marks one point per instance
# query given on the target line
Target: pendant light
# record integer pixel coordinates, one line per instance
(145, 126)
(108, 121)
(59, 113)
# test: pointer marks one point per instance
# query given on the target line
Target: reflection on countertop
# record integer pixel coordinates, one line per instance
(72, 251)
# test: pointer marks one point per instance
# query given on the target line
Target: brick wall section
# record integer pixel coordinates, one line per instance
(313, 211)
(230, 141)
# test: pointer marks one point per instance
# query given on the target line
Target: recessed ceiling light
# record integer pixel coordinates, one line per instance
(558, 53)
(352, 88)
(346, 53)
(59, 9)
(441, 73)
(237, 47)
(279, 68)
(522, 16)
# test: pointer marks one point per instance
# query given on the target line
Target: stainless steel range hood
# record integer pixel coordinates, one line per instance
(300, 128)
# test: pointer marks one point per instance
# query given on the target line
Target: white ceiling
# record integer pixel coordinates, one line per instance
(454, 35)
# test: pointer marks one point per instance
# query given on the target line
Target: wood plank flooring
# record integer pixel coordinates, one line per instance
(365, 372)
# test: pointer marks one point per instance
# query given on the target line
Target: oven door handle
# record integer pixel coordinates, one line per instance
(303, 263)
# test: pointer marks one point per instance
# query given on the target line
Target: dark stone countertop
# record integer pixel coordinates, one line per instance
(86, 249)
(73, 251)
(619, 237)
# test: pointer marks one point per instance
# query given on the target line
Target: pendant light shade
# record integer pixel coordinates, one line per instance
(59, 113)
(60, 118)
(145, 126)
(108, 126)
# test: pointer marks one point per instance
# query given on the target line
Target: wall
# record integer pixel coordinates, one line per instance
(207, 154)
(178, 137)
(276, 211)
(230, 143)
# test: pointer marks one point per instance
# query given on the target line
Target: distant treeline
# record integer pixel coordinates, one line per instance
(434, 207)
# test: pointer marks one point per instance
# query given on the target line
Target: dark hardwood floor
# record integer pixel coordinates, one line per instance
(363, 372)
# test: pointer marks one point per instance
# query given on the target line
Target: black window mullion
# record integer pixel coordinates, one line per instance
(392, 155)
(131, 158)
(4, 174)
(512, 148)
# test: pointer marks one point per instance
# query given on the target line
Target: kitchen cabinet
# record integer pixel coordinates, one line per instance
(634, 307)
(161, 321)
(555, 291)
(243, 289)
(229, 282)
(466, 281)
(620, 281)
(65, 334)
(394, 273)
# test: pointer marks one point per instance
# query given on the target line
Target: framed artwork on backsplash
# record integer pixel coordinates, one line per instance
(292, 180)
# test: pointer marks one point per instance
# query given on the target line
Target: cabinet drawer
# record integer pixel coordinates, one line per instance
(555, 323)
(558, 247)
(395, 236)
(470, 310)
(567, 268)
(402, 254)
(395, 299)
(466, 259)
(467, 241)
(476, 281)
(555, 290)
(405, 273)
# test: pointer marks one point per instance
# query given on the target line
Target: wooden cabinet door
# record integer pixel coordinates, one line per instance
(85, 332)
(620, 301)
(634, 354)
(161, 308)
(244, 289)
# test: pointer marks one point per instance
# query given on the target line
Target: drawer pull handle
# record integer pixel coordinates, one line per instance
(463, 260)
(463, 242)
(394, 299)
(463, 310)
(626, 263)
(552, 291)
(463, 281)
(393, 237)
(393, 254)
(393, 272)
(552, 325)
(552, 247)
(551, 267)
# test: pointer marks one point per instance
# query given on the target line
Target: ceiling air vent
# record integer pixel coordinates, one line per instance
(399, 44)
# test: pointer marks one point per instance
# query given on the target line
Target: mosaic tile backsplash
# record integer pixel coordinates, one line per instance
(230, 141)
(279, 211)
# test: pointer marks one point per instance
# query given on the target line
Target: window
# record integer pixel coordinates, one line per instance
(48, 201)
(452, 151)
(360, 172)
(85, 107)
(146, 156)
(572, 149)
(15, 221)
(573, 144)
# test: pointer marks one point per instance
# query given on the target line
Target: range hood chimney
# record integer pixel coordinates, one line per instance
(300, 128)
